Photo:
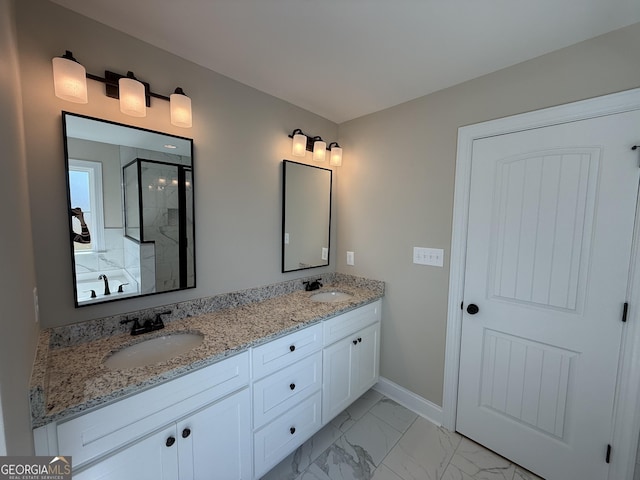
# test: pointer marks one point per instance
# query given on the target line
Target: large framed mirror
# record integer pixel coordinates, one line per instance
(131, 210)
(306, 216)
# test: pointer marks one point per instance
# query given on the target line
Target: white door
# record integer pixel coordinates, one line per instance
(367, 353)
(337, 378)
(216, 441)
(152, 458)
(551, 219)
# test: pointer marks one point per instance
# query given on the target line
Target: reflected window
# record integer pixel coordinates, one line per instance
(85, 184)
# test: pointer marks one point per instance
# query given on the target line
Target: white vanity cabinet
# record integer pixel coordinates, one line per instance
(287, 384)
(183, 429)
(235, 419)
(350, 359)
(209, 444)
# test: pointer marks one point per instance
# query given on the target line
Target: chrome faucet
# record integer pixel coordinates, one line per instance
(106, 284)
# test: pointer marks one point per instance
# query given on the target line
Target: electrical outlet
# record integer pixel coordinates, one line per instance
(325, 253)
(286, 239)
(428, 256)
(36, 307)
(350, 258)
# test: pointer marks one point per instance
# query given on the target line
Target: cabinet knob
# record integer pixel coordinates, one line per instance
(292, 348)
(186, 432)
(359, 340)
(170, 441)
(355, 342)
(292, 386)
(292, 430)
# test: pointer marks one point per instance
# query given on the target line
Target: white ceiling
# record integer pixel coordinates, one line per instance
(342, 59)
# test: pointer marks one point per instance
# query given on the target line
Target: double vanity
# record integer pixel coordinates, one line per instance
(227, 389)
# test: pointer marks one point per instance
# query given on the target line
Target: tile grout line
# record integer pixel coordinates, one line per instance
(397, 441)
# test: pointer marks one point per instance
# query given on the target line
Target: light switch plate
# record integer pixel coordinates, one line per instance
(350, 258)
(428, 256)
(325, 253)
(286, 239)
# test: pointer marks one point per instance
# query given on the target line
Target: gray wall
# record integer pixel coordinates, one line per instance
(394, 191)
(17, 315)
(398, 177)
(240, 137)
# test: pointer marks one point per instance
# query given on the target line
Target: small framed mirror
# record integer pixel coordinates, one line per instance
(306, 216)
(131, 210)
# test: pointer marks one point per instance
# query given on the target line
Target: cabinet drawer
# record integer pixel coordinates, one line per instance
(286, 433)
(277, 393)
(285, 351)
(96, 433)
(337, 328)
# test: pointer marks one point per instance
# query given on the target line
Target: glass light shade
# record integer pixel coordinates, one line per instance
(180, 110)
(336, 157)
(299, 148)
(69, 80)
(132, 99)
(319, 150)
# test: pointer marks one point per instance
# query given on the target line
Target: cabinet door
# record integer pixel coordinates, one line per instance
(215, 443)
(366, 358)
(337, 371)
(152, 458)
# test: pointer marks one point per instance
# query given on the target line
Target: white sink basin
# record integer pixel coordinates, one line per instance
(330, 297)
(154, 350)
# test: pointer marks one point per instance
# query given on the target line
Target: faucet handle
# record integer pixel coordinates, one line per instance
(120, 289)
(157, 324)
(137, 329)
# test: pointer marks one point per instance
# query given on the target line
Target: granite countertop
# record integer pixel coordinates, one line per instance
(68, 380)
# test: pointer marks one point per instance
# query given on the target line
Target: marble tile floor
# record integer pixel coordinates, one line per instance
(377, 439)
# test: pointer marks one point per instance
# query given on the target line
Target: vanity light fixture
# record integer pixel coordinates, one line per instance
(299, 148)
(303, 143)
(69, 79)
(335, 157)
(132, 96)
(319, 149)
(70, 83)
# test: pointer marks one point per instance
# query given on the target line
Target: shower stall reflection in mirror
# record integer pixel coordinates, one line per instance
(158, 207)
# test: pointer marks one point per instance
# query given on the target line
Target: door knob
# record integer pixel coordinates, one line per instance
(292, 386)
(472, 309)
(170, 441)
(186, 432)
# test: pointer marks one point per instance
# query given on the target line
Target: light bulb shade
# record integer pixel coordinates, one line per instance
(69, 80)
(299, 148)
(336, 156)
(180, 109)
(319, 150)
(132, 97)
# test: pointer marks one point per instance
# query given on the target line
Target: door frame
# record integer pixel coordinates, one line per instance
(627, 402)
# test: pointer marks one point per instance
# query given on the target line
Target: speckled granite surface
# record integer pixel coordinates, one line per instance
(69, 376)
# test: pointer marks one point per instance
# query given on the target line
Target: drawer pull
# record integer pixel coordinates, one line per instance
(186, 432)
(292, 348)
(292, 430)
(359, 340)
(292, 386)
(355, 342)
(170, 441)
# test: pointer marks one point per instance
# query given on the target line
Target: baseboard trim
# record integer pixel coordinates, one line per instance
(410, 400)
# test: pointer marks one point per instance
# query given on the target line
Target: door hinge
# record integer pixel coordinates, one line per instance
(625, 310)
(608, 457)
